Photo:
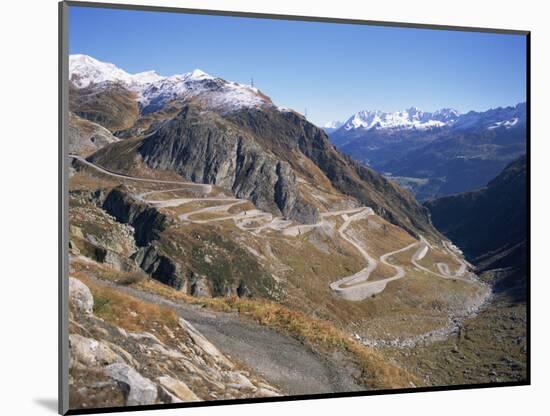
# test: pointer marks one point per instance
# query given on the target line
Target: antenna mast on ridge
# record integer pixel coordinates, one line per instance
(305, 113)
(252, 82)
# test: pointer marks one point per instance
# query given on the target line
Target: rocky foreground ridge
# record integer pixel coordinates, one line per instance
(111, 366)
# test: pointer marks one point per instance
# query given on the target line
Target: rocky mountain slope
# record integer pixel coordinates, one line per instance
(151, 357)
(489, 224)
(436, 154)
(86, 136)
(267, 154)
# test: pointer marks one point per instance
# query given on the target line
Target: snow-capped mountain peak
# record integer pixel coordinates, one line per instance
(494, 118)
(446, 114)
(146, 77)
(199, 74)
(415, 119)
(411, 118)
(332, 124)
(154, 90)
(85, 70)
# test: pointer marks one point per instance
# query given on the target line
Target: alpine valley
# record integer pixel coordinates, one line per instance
(435, 154)
(221, 247)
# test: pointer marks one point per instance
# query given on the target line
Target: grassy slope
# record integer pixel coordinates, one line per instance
(377, 372)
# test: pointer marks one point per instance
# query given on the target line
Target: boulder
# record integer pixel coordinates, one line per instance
(239, 381)
(80, 296)
(138, 389)
(205, 345)
(200, 287)
(89, 352)
(263, 392)
(178, 389)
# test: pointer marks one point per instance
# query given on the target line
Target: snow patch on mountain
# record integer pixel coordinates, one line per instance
(494, 118)
(85, 71)
(333, 125)
(506, 124)
(154, 91)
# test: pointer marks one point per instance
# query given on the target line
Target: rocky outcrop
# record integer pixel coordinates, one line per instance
(81, 297)
(116, 229)
(176, 390)
(148, 222)
(203, 147)
(88, 352)
(160, 267)
(100, 231)
(110, 366)
(138, 390)
(198, 286)
(85, 137)
(111, 105)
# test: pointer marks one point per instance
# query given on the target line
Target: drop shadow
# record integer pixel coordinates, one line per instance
(48, 404)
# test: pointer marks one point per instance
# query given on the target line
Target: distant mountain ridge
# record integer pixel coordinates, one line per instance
(439, 153)
(415, 119)
(154, 91)
(410, 118)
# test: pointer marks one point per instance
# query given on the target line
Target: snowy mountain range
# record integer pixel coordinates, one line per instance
(154, 90)
(439, 153)
(411, 118)
(332, 126)
(415, 119)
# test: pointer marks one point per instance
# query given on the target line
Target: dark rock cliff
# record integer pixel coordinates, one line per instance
(491, 219)
(148, 223)
(204, 148)
(259, 154)
(289, 135)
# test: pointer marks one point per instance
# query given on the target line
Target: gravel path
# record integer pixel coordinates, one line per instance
(282, 360)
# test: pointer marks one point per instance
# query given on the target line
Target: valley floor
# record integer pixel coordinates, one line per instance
(490, 347)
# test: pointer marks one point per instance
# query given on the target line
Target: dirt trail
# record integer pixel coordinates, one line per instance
(280, 359)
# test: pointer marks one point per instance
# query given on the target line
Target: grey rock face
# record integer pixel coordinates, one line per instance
(160, 267)
(288, 134)
(177, 390)
(203, 147)
(138, 389)
(204, 344)
(199, 286)
(80, 296)
(89, 352)
(148, 222)
(118, 262)
(86, 137)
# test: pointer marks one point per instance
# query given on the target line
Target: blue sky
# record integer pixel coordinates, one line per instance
(333, 70)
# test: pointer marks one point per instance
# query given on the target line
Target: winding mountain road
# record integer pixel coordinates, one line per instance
(355, 287)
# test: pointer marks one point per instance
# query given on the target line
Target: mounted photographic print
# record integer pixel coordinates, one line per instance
(264, 207)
